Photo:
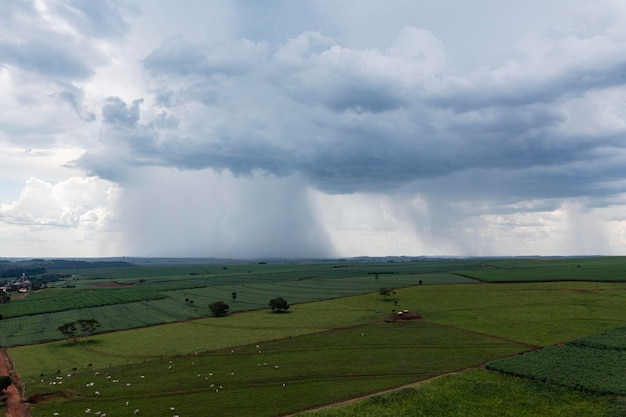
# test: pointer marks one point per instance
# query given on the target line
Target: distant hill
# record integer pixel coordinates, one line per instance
(17, 267)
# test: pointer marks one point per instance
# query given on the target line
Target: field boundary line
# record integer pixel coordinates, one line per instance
(382, 392)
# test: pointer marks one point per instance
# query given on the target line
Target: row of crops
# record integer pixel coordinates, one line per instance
(151, 295)
(148, 295)
(594, 364)
(55, 300)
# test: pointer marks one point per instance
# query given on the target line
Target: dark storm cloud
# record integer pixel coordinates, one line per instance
(358, 97)
(235, 123)
(351, 120)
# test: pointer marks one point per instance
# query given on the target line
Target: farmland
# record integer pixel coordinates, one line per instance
(292, 373)
(603, 356)
(333, 344)
(124, 298)
(552, 269)
(478, 393)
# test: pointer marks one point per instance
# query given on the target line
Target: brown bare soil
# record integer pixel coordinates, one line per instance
(403, 317)
(15, 406)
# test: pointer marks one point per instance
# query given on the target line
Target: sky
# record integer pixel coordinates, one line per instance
(312, 128)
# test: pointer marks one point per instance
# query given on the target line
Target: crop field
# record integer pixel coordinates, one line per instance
(56, 300)
(551, 269)
(533, 314)
(282, 271)
(151, 297)
(159, 350)
(614, 339)
(595, 364)
(479, 393)
(599, 371)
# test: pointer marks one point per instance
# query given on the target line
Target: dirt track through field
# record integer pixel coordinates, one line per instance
(15, 406)
(386, 391)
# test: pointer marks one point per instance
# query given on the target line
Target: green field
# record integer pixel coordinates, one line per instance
(551, 269)
(533, 314)
(168, 294)
(333, 344)
(315, 368)
(56, 300)
(595, 364)
(478, 393)
(614, 339)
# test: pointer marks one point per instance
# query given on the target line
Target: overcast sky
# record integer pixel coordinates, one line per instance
(312, 128)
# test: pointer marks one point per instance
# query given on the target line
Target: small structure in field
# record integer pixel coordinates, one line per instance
(403, 315)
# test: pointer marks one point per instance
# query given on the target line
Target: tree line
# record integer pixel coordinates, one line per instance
(220, 308)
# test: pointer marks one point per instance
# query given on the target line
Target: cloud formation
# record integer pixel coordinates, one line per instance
(353, 120)
(502, 153)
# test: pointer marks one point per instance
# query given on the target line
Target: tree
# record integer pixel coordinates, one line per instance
(279, 304)
(87, 326)
(219, 308)
(5, 382)
(68, 329)
(386, 292)
(234, 295)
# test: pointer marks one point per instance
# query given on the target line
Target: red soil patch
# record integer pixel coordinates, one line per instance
(404, 317)
(15, 407)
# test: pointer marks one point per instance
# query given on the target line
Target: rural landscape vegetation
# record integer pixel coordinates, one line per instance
(376, 337)
(197, 199)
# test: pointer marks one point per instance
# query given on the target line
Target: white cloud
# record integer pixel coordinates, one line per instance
(75, 202)
(75, 217)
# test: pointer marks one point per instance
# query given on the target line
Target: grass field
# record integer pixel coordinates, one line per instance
(332, 345)
(285, 375)
(538, 314)
(479, 393)
(595, 364)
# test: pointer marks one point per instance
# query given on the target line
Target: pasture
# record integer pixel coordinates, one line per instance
(279, 376)
(333, 344)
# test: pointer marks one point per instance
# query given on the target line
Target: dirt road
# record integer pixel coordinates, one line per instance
(15, 407)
